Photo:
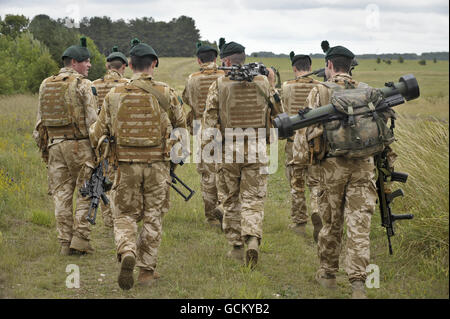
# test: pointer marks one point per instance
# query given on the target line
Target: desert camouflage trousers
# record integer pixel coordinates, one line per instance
(348, 195)
(208, 184)
(66, 174)
(244, 190)
(139, 193)
(106, 209)
(296, 176)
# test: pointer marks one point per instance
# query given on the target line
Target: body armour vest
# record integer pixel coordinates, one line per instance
(200, 83)
(137, 123)
(243, 104)
(296, 92)
(105, 84)
(61, 111)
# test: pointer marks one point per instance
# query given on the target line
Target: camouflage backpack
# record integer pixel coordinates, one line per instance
(364, 132)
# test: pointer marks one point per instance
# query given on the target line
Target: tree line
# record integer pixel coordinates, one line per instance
(385, 56)
(31, 50)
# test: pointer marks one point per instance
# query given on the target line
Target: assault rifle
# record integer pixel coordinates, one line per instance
(97, 185)
(318, 72)
(245, 72)
(175, 180)
(385, 199)
(321, 72)
(393, 94)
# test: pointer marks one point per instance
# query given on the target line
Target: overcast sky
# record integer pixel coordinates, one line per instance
(378, 26)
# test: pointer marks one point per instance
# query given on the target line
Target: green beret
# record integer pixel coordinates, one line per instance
(335, 51)
(229, 48)
(204, 48)
(295, 57)
(141, 49)
(117, 55)
(78, 52)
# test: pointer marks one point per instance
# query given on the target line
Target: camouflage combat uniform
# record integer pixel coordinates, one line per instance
(103, 85)
(141, 129)
(300, 166)
(71, 157)
(348, 194)
(243, 185)
(194, 95)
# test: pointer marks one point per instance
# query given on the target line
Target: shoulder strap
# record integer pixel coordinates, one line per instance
(163, 100)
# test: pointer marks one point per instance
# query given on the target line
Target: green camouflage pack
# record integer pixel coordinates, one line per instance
(363, 132)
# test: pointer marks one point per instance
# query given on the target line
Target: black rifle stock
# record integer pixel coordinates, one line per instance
(175, 180)
(385, 199)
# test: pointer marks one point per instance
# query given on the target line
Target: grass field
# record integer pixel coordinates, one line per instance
(192, 258)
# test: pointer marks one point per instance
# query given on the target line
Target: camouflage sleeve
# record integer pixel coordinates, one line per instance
(277, 103)
(166, 130)
(89, 101)
(187, 101)
(36, 135)
(185, 95)
(176, 114)
(313, 101)
(102, 126)
(40, 133)
(211, 114)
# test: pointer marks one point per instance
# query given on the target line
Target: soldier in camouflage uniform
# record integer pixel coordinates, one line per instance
(67, 107)
(301, 166)
(135, 114)
(348, 192)
(233, 104)
(116, 63)
(194, 95)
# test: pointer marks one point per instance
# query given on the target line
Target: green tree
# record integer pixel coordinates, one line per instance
(378, 60)
(13, 25)
(400, 59)
(25, 63)
(422, 62)
(53, 34)
(98, 61)
(57, 37)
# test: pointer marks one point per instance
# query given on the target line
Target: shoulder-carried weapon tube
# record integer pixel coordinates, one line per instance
(394, 94)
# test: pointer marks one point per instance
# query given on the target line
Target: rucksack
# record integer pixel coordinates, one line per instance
(363, 132)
